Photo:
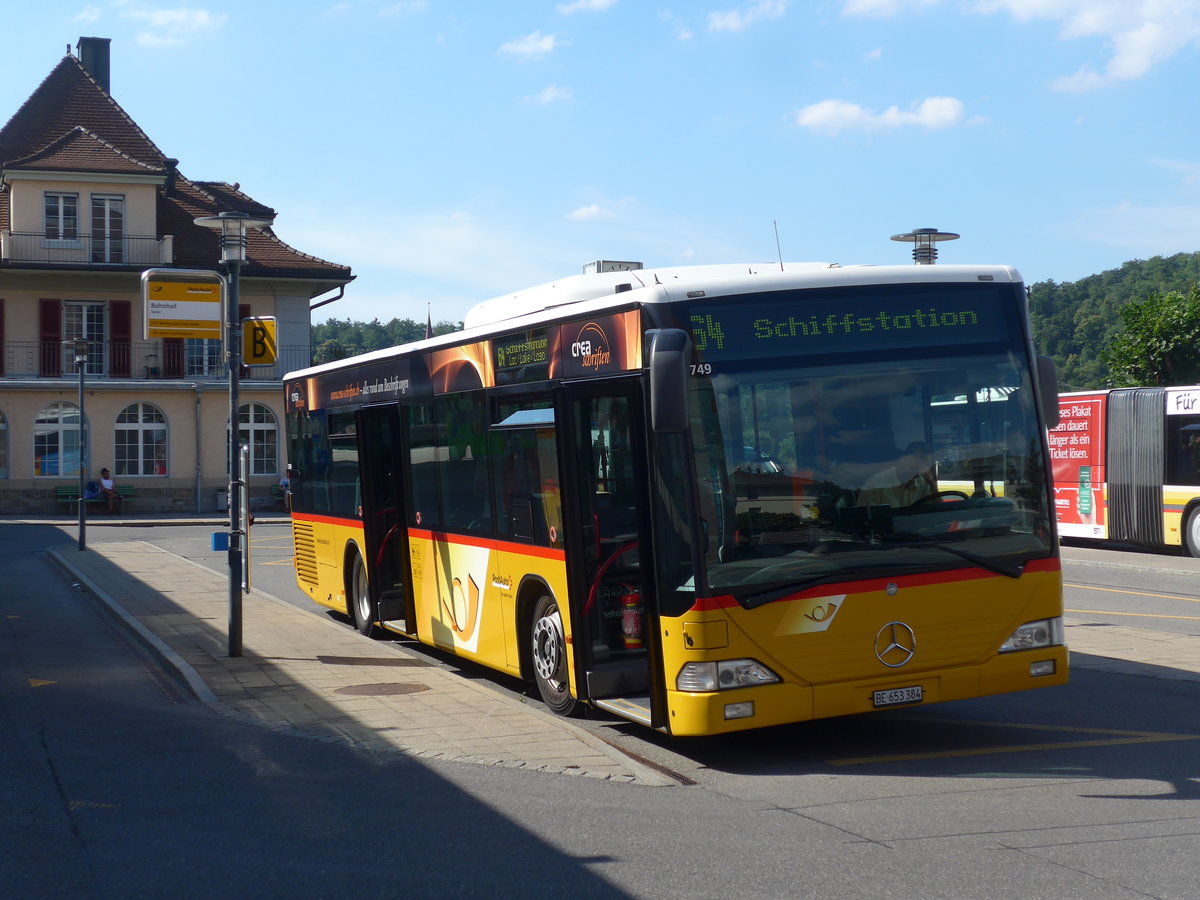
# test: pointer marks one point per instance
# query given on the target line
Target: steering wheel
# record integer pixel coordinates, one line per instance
(939, 496)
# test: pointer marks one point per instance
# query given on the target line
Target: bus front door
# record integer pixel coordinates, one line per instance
(608, 558)
(382, 499)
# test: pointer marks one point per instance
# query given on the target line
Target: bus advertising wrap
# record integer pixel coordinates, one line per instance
(596, 346)
(1077, 457)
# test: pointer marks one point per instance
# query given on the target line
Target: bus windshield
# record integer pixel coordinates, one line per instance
(857, 468)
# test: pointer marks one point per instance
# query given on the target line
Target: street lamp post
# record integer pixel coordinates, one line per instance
(232, 227)
(79, 347)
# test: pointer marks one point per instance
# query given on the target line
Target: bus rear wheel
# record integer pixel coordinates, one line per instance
(360, 598)
(1191, 532)
(548, 645)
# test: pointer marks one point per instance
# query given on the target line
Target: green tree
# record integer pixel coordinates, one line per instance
(328, 351)
(1160, 343)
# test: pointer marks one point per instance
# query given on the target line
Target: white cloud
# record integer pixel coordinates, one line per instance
(87, 16)
(880, 8)
(832, 117)
(590, 213)
(173, 27)
(532, 46)
(404, 8)
(551, 94)
(1189, 170)
(1141, 231)
(740, 19)
(566, 9)
(1139, 33)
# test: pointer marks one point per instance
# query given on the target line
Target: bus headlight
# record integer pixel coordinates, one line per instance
(1031, 635)
(700, 677)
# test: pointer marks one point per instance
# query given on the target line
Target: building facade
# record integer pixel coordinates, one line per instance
(87, 204)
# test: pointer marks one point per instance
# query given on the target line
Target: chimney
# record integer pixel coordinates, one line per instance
(93, 54)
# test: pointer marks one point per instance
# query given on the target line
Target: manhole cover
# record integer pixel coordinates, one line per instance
(381, 690)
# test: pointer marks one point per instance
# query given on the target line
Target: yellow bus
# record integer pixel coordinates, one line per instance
(705, 499)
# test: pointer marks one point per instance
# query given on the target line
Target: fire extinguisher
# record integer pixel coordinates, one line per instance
(631, 620)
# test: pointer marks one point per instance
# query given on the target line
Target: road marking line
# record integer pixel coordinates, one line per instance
(1119, 738)
(1088, 587)
(1105, 612)
(40, 682)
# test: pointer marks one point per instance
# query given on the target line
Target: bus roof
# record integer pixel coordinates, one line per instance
(596, 292)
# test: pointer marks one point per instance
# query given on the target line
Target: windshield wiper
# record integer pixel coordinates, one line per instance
(1000, 567)
(762, 598)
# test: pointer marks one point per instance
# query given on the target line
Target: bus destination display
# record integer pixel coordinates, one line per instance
(789, 323)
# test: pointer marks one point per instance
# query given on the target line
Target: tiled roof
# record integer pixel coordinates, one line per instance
(69, 97)
(197, 246)
(70, 123)
(79, 150)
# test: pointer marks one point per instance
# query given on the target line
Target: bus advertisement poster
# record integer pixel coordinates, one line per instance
(1077, 453)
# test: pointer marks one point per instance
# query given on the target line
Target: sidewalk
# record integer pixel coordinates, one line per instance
(307, 675)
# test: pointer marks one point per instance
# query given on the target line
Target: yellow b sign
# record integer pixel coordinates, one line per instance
(259, 346)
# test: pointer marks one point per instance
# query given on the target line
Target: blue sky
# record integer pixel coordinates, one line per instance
(453, 151)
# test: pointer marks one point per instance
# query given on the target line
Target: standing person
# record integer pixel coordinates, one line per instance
(108, 489)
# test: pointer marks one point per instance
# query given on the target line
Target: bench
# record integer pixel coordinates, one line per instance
(69, 495)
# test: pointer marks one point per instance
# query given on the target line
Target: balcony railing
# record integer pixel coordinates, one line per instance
(138, 360)
(85, 250)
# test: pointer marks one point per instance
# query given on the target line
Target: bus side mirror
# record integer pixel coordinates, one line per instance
(670, 356)
(1048, 388)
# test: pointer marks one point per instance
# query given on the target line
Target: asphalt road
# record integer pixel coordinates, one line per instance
(1087, 791)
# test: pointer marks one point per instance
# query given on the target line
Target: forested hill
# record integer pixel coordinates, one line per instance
(1073, 321)
(340, 338)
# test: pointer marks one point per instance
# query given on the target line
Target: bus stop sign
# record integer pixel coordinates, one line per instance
(259, 344)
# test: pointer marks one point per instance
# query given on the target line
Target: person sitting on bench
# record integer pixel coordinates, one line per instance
(108, 490)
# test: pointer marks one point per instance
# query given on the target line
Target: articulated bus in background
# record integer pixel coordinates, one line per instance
(1127, 466)
(704, 499)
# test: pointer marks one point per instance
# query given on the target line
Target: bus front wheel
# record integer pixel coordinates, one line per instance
(1191, 532)
(548, 645)
(360, 598)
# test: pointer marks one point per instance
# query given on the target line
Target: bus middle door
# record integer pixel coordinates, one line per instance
(608, 558)
(380, 455)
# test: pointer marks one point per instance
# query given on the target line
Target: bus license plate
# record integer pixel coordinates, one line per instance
(898, 696)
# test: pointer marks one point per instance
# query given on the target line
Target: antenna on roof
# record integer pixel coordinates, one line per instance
(778, 249)
(924, 242)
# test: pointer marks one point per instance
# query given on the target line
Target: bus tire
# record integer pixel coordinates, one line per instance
(1191, 532)
(359, 598)
(548, 649)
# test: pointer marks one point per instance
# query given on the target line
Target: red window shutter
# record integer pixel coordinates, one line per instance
(172, 349)
(120, 345)
(50, 335)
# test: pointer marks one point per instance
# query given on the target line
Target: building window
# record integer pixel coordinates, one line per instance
(141, 441)
(62, 217)
(56, 441)
(3, 446)
(259, 430)
(86, 320)
(108, 228)
(203, 356)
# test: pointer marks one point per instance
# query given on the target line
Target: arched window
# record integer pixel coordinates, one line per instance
(258, 428)
(3, 446)
(56, 441)
(141, 440)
